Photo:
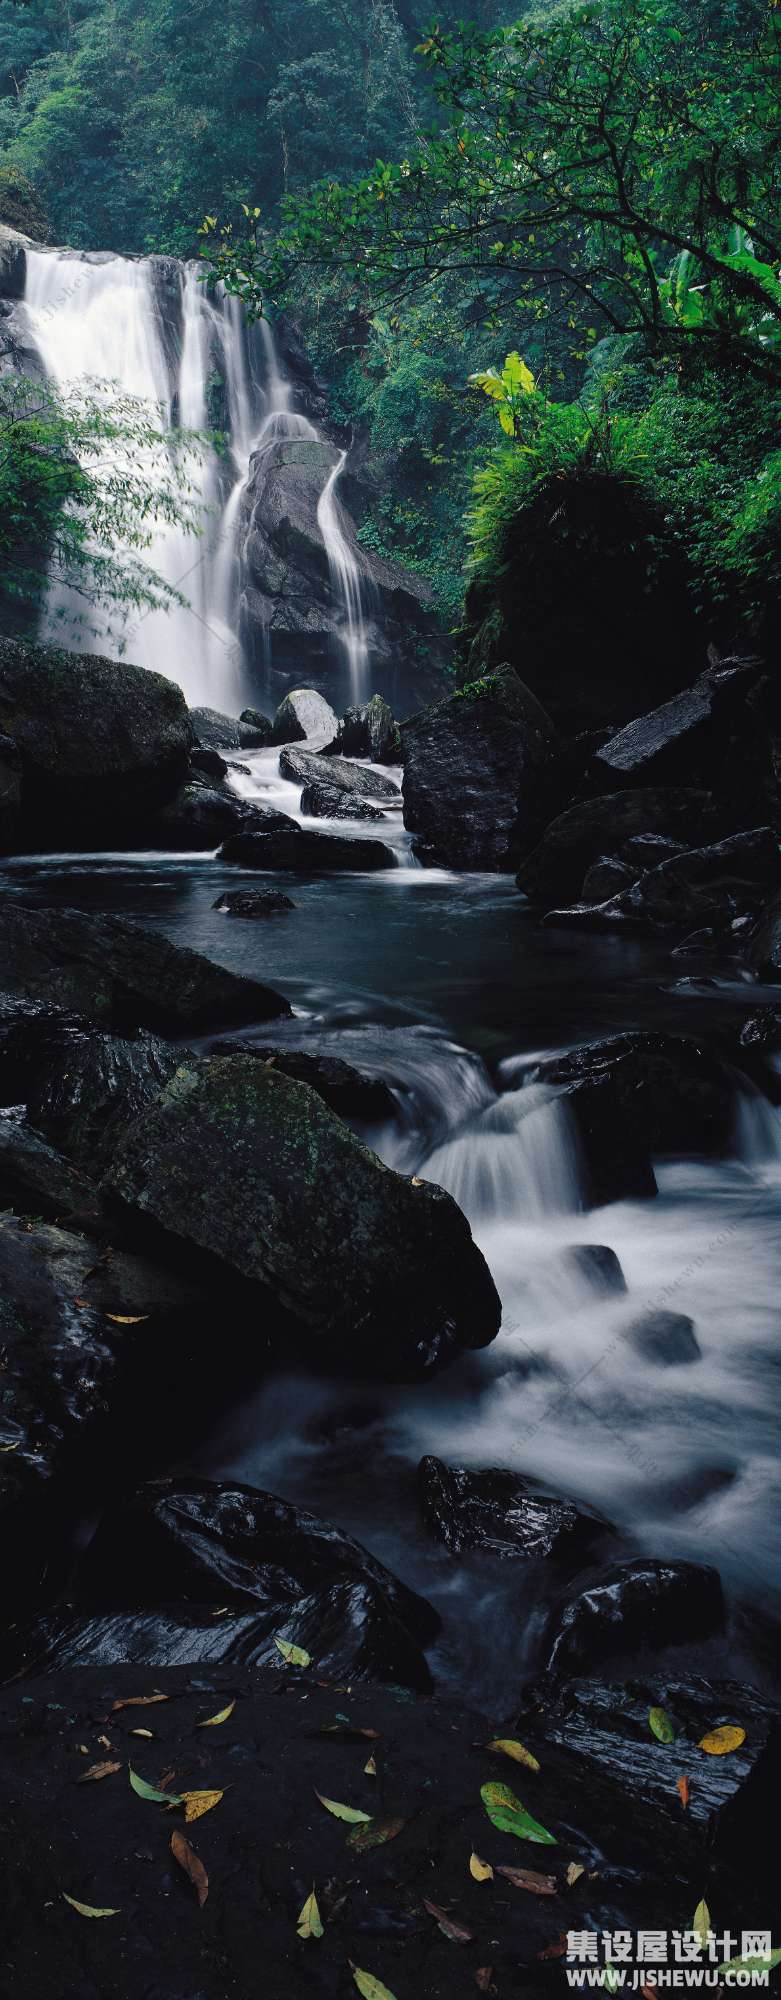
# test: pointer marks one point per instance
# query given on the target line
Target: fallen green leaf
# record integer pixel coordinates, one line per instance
(509, 1816)
(86, 1909)
(294, 1655)
(146, 1791)
(369, 1987)
(310, 1922)
(343, 1812)
(223, 1716)
(701, 1923)
(374, 1834)
(750, 1964)
(661, 1725)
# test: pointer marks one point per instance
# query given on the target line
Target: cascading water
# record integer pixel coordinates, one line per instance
(97, 327)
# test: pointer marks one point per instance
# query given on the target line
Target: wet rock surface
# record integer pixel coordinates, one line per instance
(249, 1166)
(726, 881)
(328, 802)
(35, 1180)
(305, 717)
(118, 972)
(253, 903)
(296, 850)
(674, 1094)
(201, 817)
(89, 1087)
(479, 774)
(350, 1092)
(611, 825)
(500, 1513)
(309, 767)
(667, 1339)
(630, 1606)
(371, 731)
(645, 1863)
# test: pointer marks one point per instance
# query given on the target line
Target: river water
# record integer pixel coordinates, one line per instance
(445, 985)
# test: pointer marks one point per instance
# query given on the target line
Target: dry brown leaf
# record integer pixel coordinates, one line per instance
(457, 1933)
(484, 1979)
(127, 1319)
(97, 1771)
(137, 1701)
(527, 1878)
(682, 1787)
(188, 1860)
(556, 1950)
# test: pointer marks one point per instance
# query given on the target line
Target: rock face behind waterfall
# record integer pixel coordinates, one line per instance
(100, 744)
(361, 1266)
(289, 606)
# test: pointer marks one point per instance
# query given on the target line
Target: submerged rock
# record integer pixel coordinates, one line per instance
(251, 1167)
(305, 717)
(328, 802)
(479, 774)
(674, 1095)
(307, 767)
(610, 825)
(667, 1339)
(101, 744)
(120, 974)
(500, 1513)
(253, 903)
(599, 1265)
(297, 851)
(631, 1607)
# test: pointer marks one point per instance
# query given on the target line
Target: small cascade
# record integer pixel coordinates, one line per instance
(514, 1162)
(346, 580)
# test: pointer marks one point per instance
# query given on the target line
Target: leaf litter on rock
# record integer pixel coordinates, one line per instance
(369, 1987)
(151, 1793)
(457, 1933)
(137, 1701)
(374, 1834)
(481, 1871)
(527, 1878)
(508, 1815)
(338, 1811)
(293, 1655)
(720, 1742)
(87, 1909)
(310, 1923)
(506, 1746)
(661, 1726)
(213, 1721)
(97, 1771)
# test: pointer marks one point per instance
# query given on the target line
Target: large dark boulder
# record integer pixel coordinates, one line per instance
(328, 802)
(214, 731)
(200, 816)
(35, 1180)
(200, 1542)
(720, 883)
(352, 1093)
(298, 851)
(120, 974)
(501, 1514)
(763, 944)
(631, 1607)
(610, 825)
(305, 717)
(717, 733)
(88, 1087)
(101, 744)
(674, 1095)
(479, 774)
(10, 793)
(306, 767)
(371, 731)
(254, 1169)
(346, 1627)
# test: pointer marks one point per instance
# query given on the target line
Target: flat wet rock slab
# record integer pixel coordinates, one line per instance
(269, 1841)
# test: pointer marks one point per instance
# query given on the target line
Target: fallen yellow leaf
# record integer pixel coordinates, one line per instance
(481, 1870)
(719, 1742)
(127, 1319)
(508, 1747)
(574, 1872)
(87, 1909)
(310, 1924)
(369, 1987)
(198, 1803)
(137, 1701)
(223, 1716)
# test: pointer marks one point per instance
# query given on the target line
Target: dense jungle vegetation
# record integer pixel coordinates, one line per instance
(569, 222)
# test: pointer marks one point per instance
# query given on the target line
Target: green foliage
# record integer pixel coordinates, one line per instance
(82, 489)
(20, 207)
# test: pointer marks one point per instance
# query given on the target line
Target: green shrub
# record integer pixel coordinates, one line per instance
(20, 205)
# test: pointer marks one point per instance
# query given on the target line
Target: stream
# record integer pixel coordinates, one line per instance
(445, 985)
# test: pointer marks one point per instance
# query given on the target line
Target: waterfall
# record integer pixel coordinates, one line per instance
(346, 581)
(98, 328)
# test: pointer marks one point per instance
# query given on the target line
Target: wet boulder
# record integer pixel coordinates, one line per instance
(253, 903)
(598, 1265)
(606, 877)
(501, 1514)
(762, 1029)
(101, 744)
(716, 733)
(372, 1270)
(214, 731)
(346, 1627)
(763, 941)
(610, 825)
(90, 1086)
(606, 1727)
(352, 1093)
(630, 1608)
(202, 1542)
(667, 1339)
(327, 802)
(305, 717)
(673, 1094)
(10, 793)
(35, 1180)
(120, 974)
(306, 767)
(371, 731)
(298, 851)
(479, 774)
(208, 764)
(201, 816)
(726, 881)
(255, 729)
